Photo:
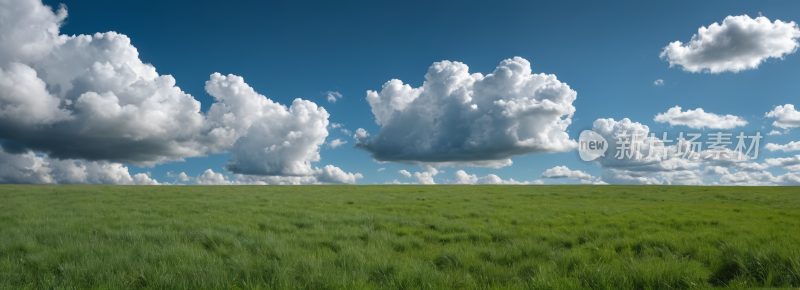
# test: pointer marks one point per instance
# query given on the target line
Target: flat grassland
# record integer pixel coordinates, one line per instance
(410, 237)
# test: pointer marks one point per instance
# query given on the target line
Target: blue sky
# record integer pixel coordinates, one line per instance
(607, 52)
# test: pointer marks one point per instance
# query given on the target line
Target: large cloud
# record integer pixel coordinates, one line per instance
(698, 119)
(274, 140)
(739, 43)
(90, 97)
(457, 118)
(786, 116)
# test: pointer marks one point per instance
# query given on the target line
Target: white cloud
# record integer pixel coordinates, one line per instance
(336, 125)
(346, 132)
(659, 82)
(762, 178)
(791, 163)
(90, 97)
(471, 119)
(381, 169)
(774, 132)
(787, 117)
(565, 172)
(424, 177)
(337, 143)
(325, 175)
(397, 182)
(182, 176)
(405, 173)
(739, 43)
(209, 177)
(463, 178)
(27, 167)
(792, 146)
(698, 119)
(332, 96)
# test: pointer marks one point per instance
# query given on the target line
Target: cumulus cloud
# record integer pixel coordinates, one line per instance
(424, 177)
(29, 168)
(460, 119)
(337, 143)
(405, 173)
(774, 132)
(336, 125)
(790, 163)
(659, 82)
(209, 177)
(332, 96)
(463, 178)
(565, 172)
(786, 116)
(90, 97)
(698, 119)
(739, 43)
(792, 146)
(181, 176)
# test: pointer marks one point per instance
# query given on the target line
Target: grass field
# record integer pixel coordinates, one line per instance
(409, 237)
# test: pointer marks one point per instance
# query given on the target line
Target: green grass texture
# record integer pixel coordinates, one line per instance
(398, 237)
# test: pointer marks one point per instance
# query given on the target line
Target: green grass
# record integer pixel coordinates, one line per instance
(409, 237)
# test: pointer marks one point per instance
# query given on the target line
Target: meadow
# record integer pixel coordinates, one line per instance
(398, 237)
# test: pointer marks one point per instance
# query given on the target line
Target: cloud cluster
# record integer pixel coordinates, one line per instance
(27, 167)
(326, 175)
(463, 178)
(789, 163)
(792, 146)
(460, 119)
(90, 97)
(698, 119)
(652, 161)
(739, 43)
(786, 116)
(565, 172)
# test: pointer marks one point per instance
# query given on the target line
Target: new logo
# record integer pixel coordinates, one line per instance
(591, 145)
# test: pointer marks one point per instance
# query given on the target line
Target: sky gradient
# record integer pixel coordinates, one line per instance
(606, 60)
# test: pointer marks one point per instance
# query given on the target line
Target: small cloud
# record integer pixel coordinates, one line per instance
(332, 96)
(348, 132)
(337, 143)
(381, 169)
(659, 82)
(699, 118)
(335, 125)
(774, 132)
(405, 173)
(182, 176)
